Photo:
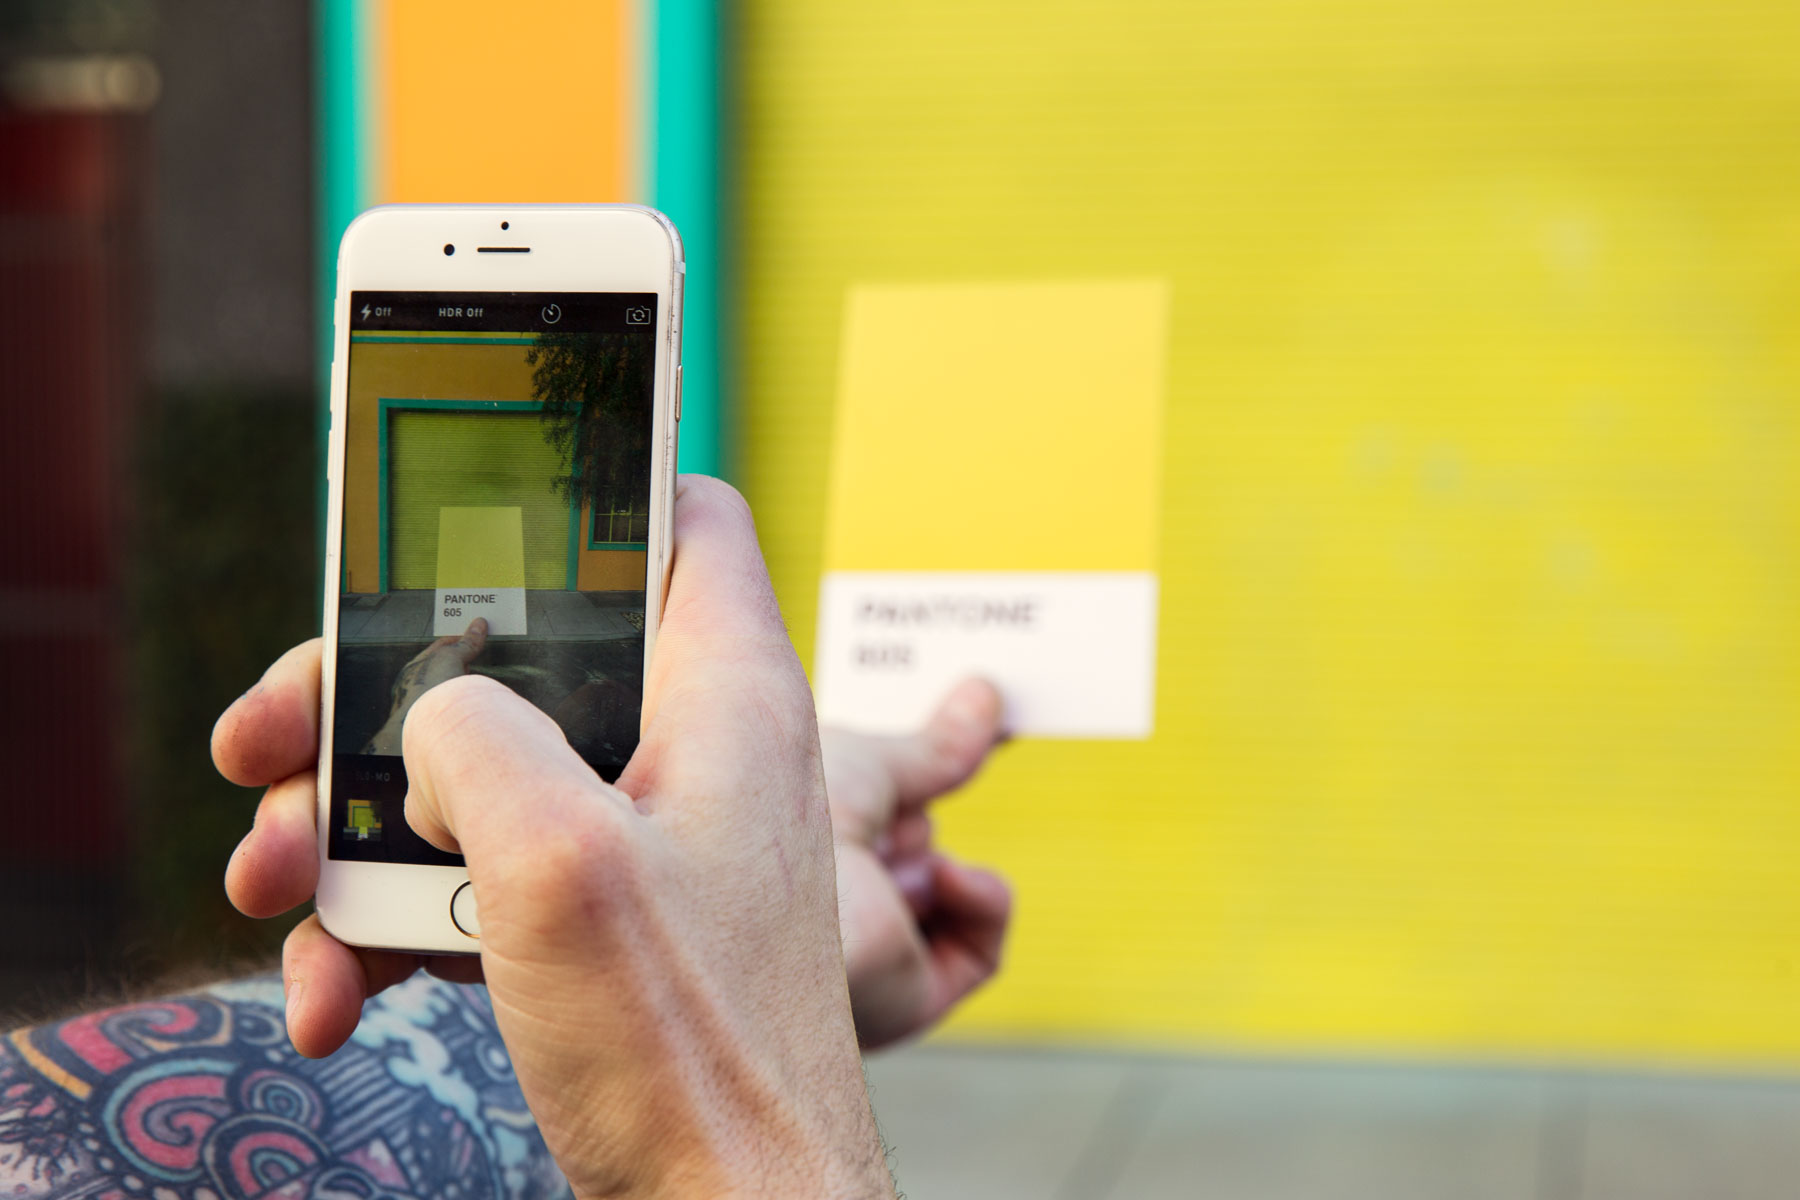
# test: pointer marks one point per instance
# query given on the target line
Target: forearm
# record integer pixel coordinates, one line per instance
(202, 1093)
(694, 1104)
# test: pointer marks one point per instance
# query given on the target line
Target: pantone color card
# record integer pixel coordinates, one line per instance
(480, 570)
(993, 505)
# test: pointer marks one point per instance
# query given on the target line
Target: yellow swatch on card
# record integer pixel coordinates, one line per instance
(481, 571)
(481, 548)
(991, 427)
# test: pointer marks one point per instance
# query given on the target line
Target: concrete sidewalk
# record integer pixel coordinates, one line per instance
(552, 615)
(976, 1124)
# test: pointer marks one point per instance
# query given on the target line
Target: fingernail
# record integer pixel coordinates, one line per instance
(296, 989)
(966, 705)
(913, 880)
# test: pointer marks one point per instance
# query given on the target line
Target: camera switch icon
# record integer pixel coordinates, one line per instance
(639, 315)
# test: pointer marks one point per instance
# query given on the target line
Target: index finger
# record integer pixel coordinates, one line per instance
(272, 730)
(724, 672)
(720, 604)
(966, 929)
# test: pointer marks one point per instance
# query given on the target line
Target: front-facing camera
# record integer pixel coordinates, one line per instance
(449, 249)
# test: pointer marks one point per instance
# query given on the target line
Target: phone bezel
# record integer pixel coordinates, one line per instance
(574, 248)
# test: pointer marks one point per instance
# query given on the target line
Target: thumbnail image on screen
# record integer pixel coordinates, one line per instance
(496, 515)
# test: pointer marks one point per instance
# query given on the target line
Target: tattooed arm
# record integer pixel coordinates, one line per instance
(201, 1097)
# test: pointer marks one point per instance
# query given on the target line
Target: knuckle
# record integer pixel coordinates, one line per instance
(590, 869)
(290, 806)
(709, 490)
(423, 818)
(1001, 918)
(571, 860)
(705, 500)
(238, 752)
(452, 716)
(457, 698)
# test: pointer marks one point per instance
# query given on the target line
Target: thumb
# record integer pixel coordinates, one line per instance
(950, 748)
(491, 777)
(469, 645)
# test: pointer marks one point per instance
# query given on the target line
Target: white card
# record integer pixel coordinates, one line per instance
(504, 609)
(1073, 652)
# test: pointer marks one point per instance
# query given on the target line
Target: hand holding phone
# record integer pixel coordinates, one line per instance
(920, 930)
(663, 955)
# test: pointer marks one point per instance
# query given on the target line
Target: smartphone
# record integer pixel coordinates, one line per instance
(505, 400)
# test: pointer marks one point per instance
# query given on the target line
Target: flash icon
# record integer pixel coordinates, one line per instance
(365, 312)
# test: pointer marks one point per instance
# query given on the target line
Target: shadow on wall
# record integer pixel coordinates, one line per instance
(223, 576)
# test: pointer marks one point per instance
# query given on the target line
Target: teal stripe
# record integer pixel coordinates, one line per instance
(462, 405)
(343, 144)
(381, 496)
(684, 142)
(574, 576)
(340, 181)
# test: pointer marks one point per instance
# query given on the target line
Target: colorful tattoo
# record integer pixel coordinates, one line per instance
(200, 1097)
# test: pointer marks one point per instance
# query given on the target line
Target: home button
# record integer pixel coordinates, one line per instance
(463, 912)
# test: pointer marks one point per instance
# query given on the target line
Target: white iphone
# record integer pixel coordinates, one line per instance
(505, 395)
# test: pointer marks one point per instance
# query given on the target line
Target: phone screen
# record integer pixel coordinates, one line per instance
(496, 515)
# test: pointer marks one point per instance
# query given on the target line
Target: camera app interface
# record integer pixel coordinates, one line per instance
(497, 453)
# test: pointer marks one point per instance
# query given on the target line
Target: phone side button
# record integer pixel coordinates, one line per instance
(677, 395)
(463, 913)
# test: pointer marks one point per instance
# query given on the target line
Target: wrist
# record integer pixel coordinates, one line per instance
(713, 1113)
(812, 1135)
(825, 1147)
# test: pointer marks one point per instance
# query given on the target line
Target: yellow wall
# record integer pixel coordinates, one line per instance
(437, 372)
(1478, 682)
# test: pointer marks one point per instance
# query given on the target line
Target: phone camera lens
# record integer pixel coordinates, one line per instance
(449, 249)
(506, 224)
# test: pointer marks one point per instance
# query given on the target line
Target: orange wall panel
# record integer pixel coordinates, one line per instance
(483, 102)
(610, 570)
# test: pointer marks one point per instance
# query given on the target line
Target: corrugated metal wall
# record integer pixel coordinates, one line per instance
(1478, 676)
(473, 460)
